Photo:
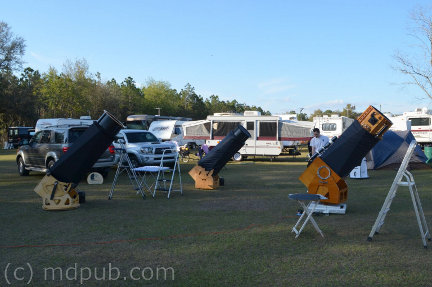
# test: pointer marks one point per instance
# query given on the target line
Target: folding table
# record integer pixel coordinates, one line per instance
(308, 202)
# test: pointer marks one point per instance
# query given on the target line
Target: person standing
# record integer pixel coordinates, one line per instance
(318, 141)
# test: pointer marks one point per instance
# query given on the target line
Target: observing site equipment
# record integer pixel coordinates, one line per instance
(58, 187)
(125, 165)
(326, 170)
(205, 173)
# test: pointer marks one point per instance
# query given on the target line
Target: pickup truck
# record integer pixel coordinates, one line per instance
(144, 148)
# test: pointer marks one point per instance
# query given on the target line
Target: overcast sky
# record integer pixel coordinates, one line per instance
(280, 55)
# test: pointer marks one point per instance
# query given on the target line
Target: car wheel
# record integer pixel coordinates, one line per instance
(22, 168)
(237, 156)
(134, 160)
(50, 163)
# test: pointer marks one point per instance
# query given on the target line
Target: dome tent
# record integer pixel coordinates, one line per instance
(390, 151)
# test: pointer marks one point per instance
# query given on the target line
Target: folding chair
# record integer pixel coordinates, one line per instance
(125, 165)
(159, 174)
(311, 201)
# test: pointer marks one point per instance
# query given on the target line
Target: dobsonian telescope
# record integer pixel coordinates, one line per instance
(324, 175)
(58, 187)
(205, 174)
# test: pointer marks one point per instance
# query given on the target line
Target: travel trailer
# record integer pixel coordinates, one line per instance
(143, 122)
(333, 125)
(421, 124)
(288, 117)
(267, 132)
(44, 123)
(400, 123)
(171, 130)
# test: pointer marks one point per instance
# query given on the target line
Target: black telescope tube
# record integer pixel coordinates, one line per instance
(224, 151)
(349, 150)
(86, 150)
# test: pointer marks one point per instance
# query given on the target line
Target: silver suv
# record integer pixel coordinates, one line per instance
(144, 148)
(49, 144)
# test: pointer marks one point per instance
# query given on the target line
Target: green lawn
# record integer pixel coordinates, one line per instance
(238, 235)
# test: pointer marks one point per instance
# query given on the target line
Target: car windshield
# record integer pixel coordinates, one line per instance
(140, 137)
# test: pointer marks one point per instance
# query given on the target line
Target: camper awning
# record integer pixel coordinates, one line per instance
(198, 130)
(294, 131)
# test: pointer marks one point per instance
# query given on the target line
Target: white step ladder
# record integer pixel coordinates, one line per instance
(409, 182)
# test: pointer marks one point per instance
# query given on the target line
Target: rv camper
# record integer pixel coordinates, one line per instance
(332, 126)
(143, 122)
(291, 142)
(400, 123)
(421, 124)
(267, 132)
(171, 130)
(44, 123)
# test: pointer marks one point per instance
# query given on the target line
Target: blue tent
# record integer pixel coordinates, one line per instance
(390, 151)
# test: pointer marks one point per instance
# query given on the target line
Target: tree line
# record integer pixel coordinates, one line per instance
(74, 92)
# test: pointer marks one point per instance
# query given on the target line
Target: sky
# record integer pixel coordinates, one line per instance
(280, 55)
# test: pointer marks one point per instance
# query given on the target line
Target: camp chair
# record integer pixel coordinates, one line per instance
(158, 177)
(125, 165)
(308, 202)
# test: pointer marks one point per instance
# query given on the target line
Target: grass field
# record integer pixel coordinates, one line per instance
(238, 235)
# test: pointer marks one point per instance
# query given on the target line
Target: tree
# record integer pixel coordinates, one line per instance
(159, 94)
(418, 67)
(132, 98)
(349, 111)
(11, 49)
(316, 113)
(193, 104)
(330, 112)
(302, 117)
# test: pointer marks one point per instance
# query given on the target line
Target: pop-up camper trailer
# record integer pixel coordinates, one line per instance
(267, 132)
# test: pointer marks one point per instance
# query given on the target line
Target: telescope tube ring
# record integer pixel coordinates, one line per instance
(319, 169)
